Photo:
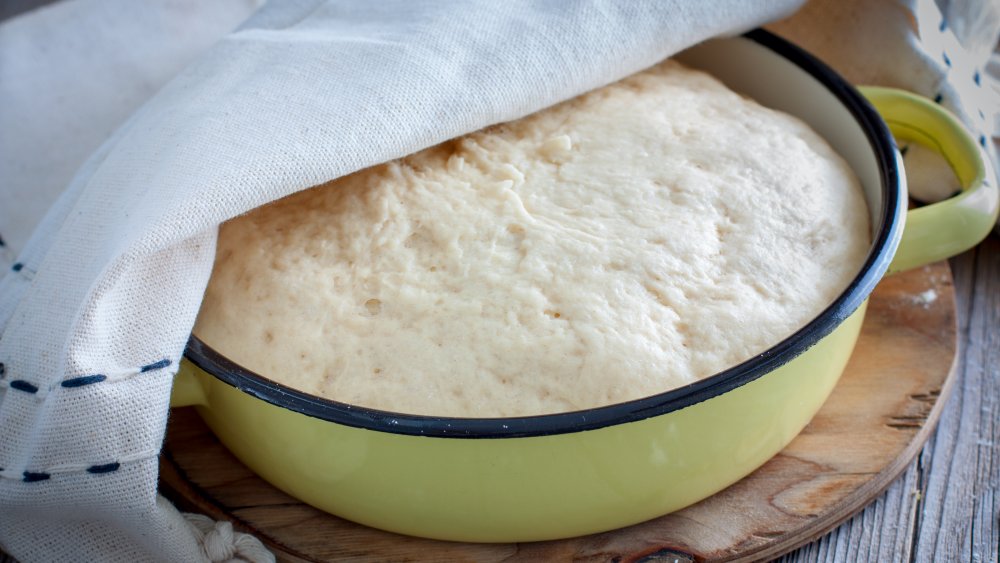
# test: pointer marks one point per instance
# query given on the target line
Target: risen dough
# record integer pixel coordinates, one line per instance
(623, 243)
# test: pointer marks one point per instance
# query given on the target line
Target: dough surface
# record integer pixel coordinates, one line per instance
(623, 243)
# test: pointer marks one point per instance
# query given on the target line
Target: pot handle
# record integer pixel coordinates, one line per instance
(187, 390)
(944, 229)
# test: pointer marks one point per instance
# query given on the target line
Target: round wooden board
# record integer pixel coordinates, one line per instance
(874, 423)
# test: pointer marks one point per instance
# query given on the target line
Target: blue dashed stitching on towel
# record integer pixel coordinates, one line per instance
(943, 26)
(22, 385)
(80, 381)
(94, 469)
(84, 380)
(34, 477)
(155, 365)
(105, 468)
(982, 141)
(20, 268)
(947, 61)
(977, 78)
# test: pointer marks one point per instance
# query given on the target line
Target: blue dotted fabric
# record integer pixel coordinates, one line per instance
(27, 388)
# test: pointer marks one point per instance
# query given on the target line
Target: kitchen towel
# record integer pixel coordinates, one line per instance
(98, 304)
(95, 309)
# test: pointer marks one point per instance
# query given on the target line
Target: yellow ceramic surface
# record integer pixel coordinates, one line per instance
(567, 482)
(534, 488)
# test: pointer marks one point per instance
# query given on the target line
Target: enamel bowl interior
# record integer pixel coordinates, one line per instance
(552, 476)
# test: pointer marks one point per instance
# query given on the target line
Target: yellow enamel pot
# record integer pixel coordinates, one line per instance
(561, 475)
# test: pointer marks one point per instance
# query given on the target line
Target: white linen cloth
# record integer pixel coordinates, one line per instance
(96, 308)
(98, 305)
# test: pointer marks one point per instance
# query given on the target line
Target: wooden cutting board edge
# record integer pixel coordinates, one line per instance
(861, 497)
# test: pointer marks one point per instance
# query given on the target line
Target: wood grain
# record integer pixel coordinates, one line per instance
(866, 435)
(946, 506)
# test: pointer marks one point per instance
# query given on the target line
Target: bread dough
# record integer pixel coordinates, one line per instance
(623, 243)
